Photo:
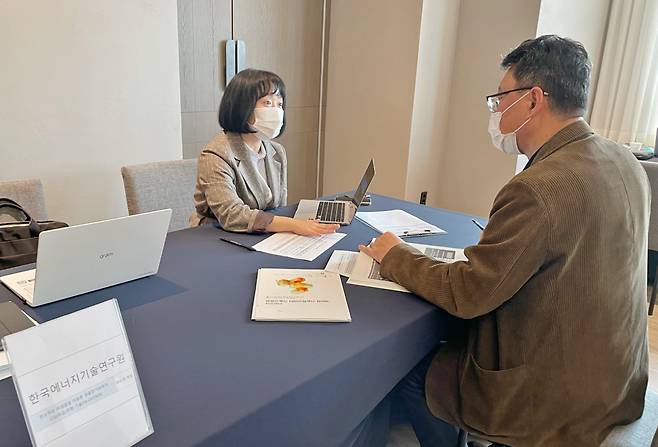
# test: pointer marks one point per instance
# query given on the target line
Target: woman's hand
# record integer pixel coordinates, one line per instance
(301, 227)
(312, 227)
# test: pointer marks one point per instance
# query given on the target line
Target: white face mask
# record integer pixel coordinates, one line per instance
(504, 142)
(268, 122)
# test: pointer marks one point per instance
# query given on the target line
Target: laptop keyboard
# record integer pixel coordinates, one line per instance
(331, 211)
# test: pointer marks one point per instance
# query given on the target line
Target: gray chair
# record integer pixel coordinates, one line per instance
(27, 193)
(652, 172)
(159, 185)
(641, 433)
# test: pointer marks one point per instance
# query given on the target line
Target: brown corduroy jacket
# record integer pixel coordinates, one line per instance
(553, 350)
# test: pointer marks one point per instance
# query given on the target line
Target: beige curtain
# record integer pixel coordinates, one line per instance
(625, 106)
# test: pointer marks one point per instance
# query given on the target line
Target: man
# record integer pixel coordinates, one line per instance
(553, 297)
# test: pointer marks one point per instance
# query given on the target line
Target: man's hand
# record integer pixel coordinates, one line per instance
(381, 246)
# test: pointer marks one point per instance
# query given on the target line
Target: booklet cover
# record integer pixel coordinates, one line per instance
(299, 295)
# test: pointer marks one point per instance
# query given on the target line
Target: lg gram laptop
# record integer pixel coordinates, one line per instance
(88, 257)
(341, 210)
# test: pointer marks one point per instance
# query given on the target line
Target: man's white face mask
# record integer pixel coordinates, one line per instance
(268, 122)
(504, 142)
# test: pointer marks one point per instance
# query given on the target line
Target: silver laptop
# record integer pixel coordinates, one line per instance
(341, 210)
(88, 257)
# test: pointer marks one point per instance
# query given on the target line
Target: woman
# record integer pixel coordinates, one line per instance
(241, 172)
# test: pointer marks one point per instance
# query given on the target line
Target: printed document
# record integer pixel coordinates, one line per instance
(342, 262)
(298, 247)
(21, 283)
(366, 270)
(398, 222)
(299, 295)
(4, 366)
(77, 382)
(5, 371)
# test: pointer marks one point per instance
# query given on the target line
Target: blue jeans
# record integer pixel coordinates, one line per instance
(409, 394)
(408, 398)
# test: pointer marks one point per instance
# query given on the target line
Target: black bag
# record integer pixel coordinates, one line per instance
(19, 240)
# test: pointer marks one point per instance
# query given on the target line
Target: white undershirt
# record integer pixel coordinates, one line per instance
(259, 159)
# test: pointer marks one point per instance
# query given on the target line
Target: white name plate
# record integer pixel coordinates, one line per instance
(76, 380)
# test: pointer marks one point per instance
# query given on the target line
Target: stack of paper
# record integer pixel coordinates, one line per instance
(299, 295)
(366, 270)
(398, 222)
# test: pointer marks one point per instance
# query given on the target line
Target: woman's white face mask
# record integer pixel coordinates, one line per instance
(504, 142)
(268, 122)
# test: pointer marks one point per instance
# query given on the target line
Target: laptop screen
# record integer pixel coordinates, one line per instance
(364, 183)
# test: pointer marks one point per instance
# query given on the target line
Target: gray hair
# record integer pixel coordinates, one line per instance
(559, 66)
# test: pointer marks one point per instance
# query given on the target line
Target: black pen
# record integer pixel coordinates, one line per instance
(248, 247)
(477, 224)
(425, 232)
(416, 233)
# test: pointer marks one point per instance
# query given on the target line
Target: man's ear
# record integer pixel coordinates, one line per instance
(537, 99)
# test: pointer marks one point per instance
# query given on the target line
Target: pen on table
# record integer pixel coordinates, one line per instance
(416, 234)
(477, 224)
(248, 247)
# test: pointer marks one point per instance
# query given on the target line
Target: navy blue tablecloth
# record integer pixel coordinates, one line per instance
(213, 377)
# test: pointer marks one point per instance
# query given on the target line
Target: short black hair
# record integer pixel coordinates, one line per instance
(240, 97)
(560, 66)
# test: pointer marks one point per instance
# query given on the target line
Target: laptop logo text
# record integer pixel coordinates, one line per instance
(106, 255)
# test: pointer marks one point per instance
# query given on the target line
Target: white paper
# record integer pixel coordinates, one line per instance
(342, 262)
(443, 254)
(76, 380)
(298, 247)
(4, 366)
(5, 371)
(299, 295)
(366, 273)
(366, 270)
(398, 222)
(21, 283)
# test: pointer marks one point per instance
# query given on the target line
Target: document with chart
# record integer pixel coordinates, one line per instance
(291, 245)
(76, 380)
(342, 262)
(366, 270)
(299, 295)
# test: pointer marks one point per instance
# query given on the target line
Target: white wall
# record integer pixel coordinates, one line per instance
(87, 87)
(472, 171)
(431, 108)
(388, 84)
(373, 51)
(584, 21)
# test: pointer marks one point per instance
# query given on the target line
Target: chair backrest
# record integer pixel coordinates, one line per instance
(641, 432)
(28, 194)
(652, 173)
(159, 185)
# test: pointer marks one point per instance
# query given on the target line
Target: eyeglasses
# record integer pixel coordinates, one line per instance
(493, 101)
